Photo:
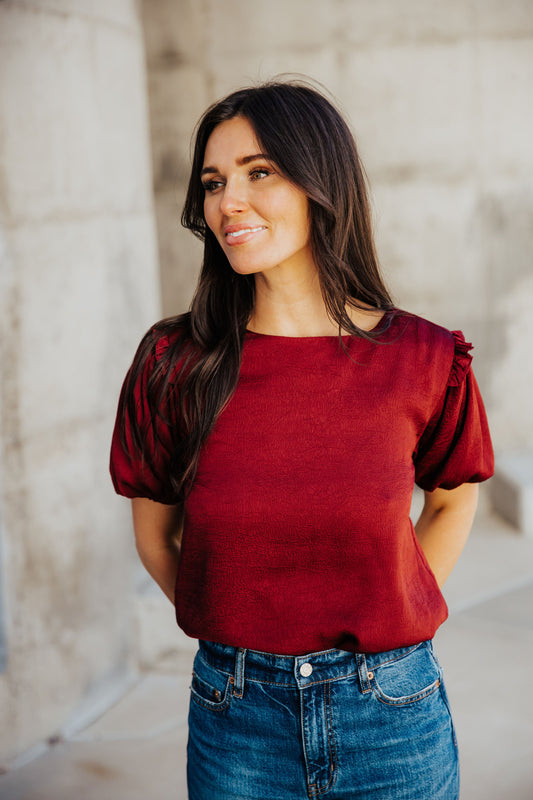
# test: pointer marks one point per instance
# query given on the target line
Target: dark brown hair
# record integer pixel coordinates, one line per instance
(305, 136)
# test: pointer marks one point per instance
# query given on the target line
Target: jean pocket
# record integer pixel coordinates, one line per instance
(210, 687)
(404, 678)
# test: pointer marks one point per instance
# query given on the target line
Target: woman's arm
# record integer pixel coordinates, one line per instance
(444, 525)
(158, 538)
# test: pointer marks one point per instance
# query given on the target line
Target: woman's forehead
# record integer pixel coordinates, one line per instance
(232, 140)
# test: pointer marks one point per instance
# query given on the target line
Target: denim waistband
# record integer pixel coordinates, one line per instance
(297, 671)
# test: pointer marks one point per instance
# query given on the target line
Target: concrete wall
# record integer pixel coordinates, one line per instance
(78, 286)
(438, 95)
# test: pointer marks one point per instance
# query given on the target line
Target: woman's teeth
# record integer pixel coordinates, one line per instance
(235, 234)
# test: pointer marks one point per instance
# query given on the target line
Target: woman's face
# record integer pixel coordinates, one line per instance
(259, 218)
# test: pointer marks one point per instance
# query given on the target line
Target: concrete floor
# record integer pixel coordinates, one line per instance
(137, 748)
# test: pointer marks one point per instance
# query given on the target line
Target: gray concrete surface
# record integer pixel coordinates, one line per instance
(512, 489)
(78, 287)
(137, 748)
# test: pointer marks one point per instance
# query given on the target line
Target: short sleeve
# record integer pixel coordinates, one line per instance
(133, 474)
(455, 446)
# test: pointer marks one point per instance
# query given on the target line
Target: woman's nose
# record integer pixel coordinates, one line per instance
(233, 199)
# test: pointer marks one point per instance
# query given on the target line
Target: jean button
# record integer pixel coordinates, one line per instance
(306, 670)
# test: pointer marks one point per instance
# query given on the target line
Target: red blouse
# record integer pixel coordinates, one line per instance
(297, 534)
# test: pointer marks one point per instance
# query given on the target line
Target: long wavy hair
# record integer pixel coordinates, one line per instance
(193, 378)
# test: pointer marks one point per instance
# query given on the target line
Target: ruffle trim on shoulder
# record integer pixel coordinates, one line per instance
(461, 359)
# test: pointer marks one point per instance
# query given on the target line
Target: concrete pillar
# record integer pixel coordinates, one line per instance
(79, 285)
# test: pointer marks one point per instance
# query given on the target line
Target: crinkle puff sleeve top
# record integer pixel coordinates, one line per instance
(297, 535)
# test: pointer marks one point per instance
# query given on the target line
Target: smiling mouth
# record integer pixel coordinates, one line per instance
(243, 231)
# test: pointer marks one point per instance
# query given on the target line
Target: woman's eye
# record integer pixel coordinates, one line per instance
(210, 186)
(259, 173)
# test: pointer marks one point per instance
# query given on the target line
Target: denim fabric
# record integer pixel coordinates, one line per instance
(336, 724)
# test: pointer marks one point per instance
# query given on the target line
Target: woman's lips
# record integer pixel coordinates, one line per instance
(242, 235)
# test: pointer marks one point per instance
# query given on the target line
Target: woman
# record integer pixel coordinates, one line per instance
(281, 424)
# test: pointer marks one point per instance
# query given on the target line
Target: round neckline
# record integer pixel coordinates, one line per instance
(379, 324)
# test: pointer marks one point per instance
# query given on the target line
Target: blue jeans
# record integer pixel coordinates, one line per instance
(338, 724)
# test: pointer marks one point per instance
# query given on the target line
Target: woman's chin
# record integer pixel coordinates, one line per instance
(245, 269)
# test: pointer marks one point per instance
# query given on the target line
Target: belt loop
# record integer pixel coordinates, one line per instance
(238, 687)
(363, 672)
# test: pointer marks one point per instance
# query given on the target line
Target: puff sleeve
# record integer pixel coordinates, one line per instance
(134, 474)
(455, 446)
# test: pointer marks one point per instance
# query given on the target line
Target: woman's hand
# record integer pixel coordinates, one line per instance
(158, 530)
(444, 526)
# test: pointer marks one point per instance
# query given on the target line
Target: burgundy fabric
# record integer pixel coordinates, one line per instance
(297, 533)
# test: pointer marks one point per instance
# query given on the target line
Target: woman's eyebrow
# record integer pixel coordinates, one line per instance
(240, 162)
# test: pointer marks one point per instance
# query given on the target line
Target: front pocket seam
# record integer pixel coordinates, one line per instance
(407, 699)
(211, 705)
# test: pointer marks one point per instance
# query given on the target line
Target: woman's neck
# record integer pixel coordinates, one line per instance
(297, 309)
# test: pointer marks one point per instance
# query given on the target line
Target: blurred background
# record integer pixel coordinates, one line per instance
(98, 101)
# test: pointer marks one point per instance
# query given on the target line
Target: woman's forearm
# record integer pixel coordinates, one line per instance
(158, 530)
(162, 564)
(444, 525)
